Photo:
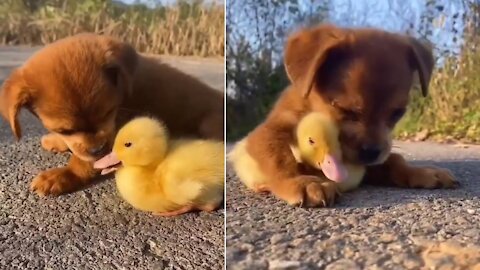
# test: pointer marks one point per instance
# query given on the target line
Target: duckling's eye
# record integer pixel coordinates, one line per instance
(347, 114)
(310, 141)
(128, 144)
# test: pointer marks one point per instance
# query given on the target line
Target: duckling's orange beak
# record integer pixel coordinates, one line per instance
(107, 164)
(334, 169)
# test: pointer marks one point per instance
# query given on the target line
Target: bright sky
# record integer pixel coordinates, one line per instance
(392, 15)
(396, 15)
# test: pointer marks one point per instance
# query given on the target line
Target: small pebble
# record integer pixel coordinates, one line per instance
(412, 262)
(343, 264)
(387, 238)
(278, 238)
(471, 232)
(284, 265)
(247, 247)
(297, 242)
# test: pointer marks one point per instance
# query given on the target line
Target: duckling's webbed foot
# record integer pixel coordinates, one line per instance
(183, 210)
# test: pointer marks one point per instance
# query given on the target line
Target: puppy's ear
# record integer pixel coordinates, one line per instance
(14, 94)
(307, 50)
(121, 61)
(422, 60)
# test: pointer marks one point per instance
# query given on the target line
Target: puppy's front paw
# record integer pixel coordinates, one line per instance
(54, 182)
(261, 188)
(320, 194)
(53, 143)
(431, 177)
(312, 191)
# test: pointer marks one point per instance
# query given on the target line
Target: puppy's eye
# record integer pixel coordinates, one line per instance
(347, 114)
(111, 72)
(128, 144)
(396, 115)
(109, 113)
(65, 132)
(350, 115)
(311, 141)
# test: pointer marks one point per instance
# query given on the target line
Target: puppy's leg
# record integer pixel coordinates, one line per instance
(270, 148)
(53, 143)
(396, 171)
(305, 191)
(65, 179)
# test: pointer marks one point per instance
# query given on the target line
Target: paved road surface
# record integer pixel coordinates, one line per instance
(371, 228)
(93, 228)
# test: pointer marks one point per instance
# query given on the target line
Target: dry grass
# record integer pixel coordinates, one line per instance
(182, 29)
(451, 112)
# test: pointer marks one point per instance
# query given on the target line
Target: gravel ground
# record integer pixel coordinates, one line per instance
(93, 228)
(370, 228)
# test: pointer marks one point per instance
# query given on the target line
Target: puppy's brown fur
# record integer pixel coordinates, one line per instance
(83, 88)
(362, 79)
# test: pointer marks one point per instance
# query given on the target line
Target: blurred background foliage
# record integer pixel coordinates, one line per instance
(177, 28)
(256, 31)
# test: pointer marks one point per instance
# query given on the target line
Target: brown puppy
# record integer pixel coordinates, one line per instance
(84, 87)
(362, 79)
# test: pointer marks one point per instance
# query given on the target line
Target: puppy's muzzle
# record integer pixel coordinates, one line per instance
(369, 153)
(98, 151)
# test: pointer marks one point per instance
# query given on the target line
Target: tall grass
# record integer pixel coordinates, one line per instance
(452, 109)
(185, 28)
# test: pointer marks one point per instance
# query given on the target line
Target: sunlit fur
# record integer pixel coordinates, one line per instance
(246, 167)
(162, 175)
(86, 86)
(338, 71)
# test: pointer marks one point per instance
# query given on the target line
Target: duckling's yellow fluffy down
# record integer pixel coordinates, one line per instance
(193, 172)
(166, 177)
(318, 145)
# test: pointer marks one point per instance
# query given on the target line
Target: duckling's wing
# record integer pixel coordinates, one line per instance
(191, 167)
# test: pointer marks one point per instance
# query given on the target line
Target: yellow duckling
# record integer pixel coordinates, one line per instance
(165, 177)
(318, 146)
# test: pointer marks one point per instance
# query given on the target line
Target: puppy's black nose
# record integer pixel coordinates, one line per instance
(97, 151)
(369, 153)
